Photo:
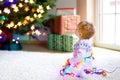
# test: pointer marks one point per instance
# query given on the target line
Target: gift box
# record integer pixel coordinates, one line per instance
(14, 46)
(61, 43)
(65, 11)
(2, 38)
(65, 24)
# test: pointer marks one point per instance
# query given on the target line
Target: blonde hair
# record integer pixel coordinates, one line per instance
(86, 29)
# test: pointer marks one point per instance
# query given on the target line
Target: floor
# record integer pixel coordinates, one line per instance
(38, 63)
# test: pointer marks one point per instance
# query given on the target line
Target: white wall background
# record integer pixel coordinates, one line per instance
(63, 4)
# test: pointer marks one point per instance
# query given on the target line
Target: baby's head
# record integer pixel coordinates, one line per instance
(85, 30)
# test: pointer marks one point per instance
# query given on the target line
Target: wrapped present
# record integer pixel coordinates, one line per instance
(14, 46)
(65, 11)
(2, 38)
(51, 41)
(66, 24)
(43, 34)
(61, 43)
(67, 43)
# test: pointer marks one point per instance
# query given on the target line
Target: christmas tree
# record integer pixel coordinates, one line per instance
(19, 16)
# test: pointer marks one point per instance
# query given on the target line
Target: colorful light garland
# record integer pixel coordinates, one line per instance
(16, 41)
(67, 72)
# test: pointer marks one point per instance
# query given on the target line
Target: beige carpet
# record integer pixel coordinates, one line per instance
(39, 63)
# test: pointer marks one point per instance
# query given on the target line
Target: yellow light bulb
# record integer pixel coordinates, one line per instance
(31, 1)
(25, 22)
(42, 11)
(31, 19)
(28, 33)
(26, 9)
(33, 10)
(37, 32)
(48, 7)
(40, 7)
(1, 0)
(15, 26)
(39, 15)
(38, 10)
(32, 27)
(0, 11)
(26, 1)
(20, 5)
(12, 23)
(9, 26)
(2, 22)
(33, 32)
(35, 15)
(19, 24)
(6, 10)
(13, 6)
(16, 9)
(0, 31)
(27, 17)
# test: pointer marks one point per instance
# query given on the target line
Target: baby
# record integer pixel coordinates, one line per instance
(82, 55)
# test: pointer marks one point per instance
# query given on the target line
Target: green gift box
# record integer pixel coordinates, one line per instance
(61, 43)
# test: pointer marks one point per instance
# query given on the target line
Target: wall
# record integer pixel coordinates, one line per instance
(63, 4)
(82, 9)
(85, 8)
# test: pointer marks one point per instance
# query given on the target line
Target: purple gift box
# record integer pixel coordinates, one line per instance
(2, 38)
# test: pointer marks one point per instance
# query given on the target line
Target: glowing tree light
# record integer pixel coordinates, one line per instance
(18, 15)
(11, 0)
(0, 31)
